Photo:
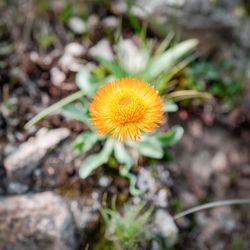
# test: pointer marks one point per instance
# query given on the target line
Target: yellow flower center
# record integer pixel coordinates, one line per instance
(125, 100)
(127, 109)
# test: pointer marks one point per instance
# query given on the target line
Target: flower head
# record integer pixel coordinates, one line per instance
(125, 108)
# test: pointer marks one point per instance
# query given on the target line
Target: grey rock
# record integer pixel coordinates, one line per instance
(153, 189)
(165, 226)
(215, 27)
(161, 198)
(146, 182)
(17, 188)
(55, 166)
(27, 157)
(163, 174)
(86, 215)
(36, 221)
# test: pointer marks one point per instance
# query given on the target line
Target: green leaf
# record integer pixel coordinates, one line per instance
(134, 23)
(113, 67)
(121, 154)
(164, 44)
(83, 81)
(76, 112)
(172, 136)
(165, 77)
(96, 160)
(170, 106)
(169, 58)
(149, 146)
(85, 141)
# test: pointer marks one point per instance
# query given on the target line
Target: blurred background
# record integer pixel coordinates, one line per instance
(49, 49)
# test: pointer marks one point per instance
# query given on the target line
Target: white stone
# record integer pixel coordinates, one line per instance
(57, 76)
(103, 49)
(75, 49)
(110, 22)
(165, 226)
(77, 25)
(146, 182)
(104, 181)
(69, 63)
(161, 199)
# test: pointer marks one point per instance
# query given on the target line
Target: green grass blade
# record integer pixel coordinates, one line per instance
(170, 57)
(164, 44)
(54, 107)
(162, 84)
(212, 205)
(113, 67)
(187, 94)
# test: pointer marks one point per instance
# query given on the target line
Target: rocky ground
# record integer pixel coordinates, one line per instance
(45, 205)
(212, 163)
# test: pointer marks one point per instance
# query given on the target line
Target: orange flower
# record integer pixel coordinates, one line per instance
(125, 108)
